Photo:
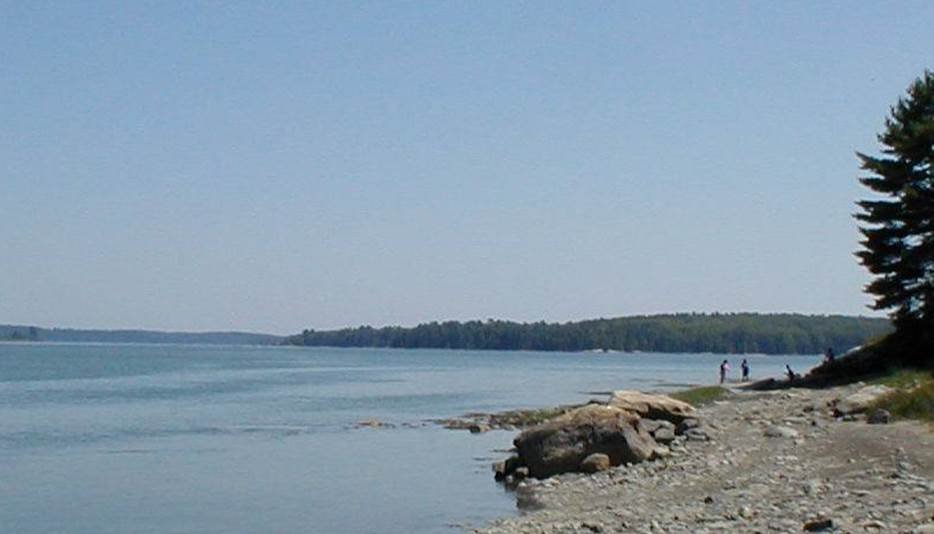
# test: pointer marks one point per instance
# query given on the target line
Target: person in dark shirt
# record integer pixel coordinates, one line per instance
(789, 372)
(745, 367)
(829, 356)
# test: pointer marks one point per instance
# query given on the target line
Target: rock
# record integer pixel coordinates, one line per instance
(811, 488)
(860, 401)
(660, 452)
(696, 434)
(818, 525)
(879, 417)
(505, 467)
(664, 435)
(560, 445)
(778, 431)
(795, 420)
(595, 462)
(652, 406)
(686, 425)
(372, 423)
(478, 428)
(650, 425)
(521, 473)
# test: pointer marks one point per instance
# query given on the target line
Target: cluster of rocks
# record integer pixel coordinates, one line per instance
(632, 427)
(783, 461)
(510, 420)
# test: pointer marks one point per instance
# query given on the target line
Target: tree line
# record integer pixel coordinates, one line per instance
(733, 333)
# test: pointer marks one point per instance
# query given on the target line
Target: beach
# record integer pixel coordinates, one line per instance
(775, 461)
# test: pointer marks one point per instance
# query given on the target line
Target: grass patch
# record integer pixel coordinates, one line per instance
(916, 402)
(701, 395)
(903, 378)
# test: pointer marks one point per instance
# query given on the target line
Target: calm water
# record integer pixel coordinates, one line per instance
(202, 439)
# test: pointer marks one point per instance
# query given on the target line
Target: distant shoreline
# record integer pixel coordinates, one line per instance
(34, 334)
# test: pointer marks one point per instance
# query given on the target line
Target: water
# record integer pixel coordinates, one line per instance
(203, 439)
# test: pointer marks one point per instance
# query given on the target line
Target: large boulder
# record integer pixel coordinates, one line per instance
(860, 401)
(560, 445)
(652, 406)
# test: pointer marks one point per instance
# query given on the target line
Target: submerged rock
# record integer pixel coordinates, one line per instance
(372, 423)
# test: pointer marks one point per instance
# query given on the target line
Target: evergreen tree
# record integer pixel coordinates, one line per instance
(898, 229)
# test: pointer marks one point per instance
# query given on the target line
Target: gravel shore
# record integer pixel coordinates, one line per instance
(775, 462)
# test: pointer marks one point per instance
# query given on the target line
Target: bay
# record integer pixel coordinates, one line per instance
(98, 438)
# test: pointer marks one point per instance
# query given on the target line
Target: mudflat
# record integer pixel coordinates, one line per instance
(775, 462)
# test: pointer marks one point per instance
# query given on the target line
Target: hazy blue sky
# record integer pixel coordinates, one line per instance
(220, 165)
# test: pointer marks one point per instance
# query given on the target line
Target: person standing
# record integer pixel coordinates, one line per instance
(745, 367)
(724, 367)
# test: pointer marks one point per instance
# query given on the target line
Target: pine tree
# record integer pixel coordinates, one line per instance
(898, 225)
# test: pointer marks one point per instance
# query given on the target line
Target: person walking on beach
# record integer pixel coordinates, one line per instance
(829, 356)
(745, 367)
(724, 367)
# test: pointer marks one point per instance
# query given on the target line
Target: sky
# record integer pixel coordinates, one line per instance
(279, 166)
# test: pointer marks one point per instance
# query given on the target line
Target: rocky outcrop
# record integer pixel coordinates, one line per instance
(829, 475)
(650, 406)
(860, 401)
(561, 445)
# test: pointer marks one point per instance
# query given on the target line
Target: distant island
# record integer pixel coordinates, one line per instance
(731, 333)
(33, 333)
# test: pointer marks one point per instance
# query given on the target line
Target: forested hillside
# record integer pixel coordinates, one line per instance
(32, 333)
(722, 333)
